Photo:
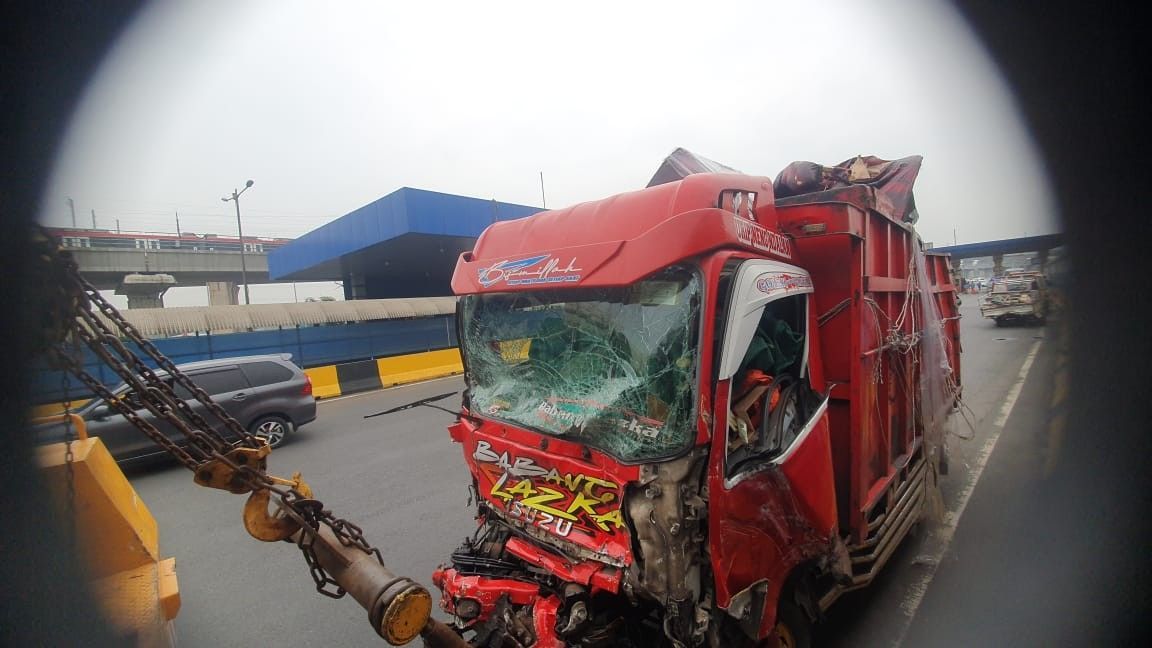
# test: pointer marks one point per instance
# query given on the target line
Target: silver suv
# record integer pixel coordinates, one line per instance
(268, 394)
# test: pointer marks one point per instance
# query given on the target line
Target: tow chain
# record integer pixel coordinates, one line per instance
(81, 314)
(69, 458)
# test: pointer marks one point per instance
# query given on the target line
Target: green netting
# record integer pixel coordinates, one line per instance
(774, 348)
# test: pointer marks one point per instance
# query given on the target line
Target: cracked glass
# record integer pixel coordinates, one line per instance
(611, 368)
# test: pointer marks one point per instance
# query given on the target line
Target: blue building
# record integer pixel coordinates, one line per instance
(402, 245)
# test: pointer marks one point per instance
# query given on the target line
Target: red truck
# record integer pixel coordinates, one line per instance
(698, 413)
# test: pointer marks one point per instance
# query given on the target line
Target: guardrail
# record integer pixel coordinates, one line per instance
(357, 348)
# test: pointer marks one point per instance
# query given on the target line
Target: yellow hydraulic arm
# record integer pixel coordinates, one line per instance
(340, 559)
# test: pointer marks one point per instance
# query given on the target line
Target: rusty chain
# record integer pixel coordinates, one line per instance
(71, 316)
(69, 457)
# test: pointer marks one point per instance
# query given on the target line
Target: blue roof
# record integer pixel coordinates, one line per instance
(409, 226)
(1004, 246)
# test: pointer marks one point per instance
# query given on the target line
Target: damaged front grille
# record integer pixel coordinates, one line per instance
(469, 564)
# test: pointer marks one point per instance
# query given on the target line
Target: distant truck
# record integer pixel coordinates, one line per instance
(1017, 297)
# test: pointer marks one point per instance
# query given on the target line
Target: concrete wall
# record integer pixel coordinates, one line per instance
(311, 346)
(330, 381)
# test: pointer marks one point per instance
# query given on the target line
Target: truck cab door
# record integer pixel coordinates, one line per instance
(772, 496)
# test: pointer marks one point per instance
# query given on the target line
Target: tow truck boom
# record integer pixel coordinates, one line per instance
(339, 558)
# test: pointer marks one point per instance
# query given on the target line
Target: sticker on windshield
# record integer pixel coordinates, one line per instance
(640, 426)
(568, 414)
(540, 269)
(563, 414)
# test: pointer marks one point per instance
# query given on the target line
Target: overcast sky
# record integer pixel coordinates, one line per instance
(329, 106)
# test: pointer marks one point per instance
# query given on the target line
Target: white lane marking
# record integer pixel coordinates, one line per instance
(947, 530)
(385, 389)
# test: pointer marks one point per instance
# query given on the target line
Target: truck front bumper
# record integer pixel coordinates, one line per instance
(1016, 310)
(475, 600)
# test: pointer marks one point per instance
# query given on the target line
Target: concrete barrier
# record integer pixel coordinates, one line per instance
(367, 375)
(325, 381)
(330, 381)
(399, 370)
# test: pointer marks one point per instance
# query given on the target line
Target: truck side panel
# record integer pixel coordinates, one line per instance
(831, 303)
(870, 320)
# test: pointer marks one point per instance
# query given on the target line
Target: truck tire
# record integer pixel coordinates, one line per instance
(793, 628)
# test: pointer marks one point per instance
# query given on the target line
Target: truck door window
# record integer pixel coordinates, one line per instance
(770, 391)
(765, 358)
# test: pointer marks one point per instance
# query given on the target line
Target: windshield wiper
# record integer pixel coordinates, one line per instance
(423, 402)
(427, 402)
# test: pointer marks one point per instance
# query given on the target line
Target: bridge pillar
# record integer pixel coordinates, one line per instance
(354, 286)
(1042, 255)
(145, 290)
(223, 293)
(997, 265)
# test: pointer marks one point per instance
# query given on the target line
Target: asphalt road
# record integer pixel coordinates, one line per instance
(404, 482)
(399, 477)
(925, 594)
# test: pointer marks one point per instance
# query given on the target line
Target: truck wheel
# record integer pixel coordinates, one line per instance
(793, 629)
(999, 322)
(273, 428)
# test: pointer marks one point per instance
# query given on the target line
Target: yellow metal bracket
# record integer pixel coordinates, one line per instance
(79, 427)
(262, 525)
(272, 527)
(217, 474)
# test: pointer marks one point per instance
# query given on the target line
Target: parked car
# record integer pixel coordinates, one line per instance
(267, 394)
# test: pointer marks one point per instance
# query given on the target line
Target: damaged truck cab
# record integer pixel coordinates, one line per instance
(694, 414)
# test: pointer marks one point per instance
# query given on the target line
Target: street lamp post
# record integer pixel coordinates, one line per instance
(235, 197)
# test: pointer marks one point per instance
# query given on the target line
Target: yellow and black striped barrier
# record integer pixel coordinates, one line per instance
(365, 375)
(329, 381)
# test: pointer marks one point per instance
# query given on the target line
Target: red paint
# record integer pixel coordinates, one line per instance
(764, 522)
(864, 257)
(622, 239)
(772, 519)
(487, 591)
(809, 471)
(586, 572)
(561, 498)
(544, 623)
(104, 238)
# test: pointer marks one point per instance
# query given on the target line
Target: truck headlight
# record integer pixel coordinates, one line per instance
(467, 609)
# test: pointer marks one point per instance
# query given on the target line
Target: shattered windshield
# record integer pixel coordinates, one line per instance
(613, 368)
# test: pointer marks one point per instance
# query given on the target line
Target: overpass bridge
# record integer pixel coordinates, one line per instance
(1041, 245)
(143, 265)
(105, 268)
(143, 274)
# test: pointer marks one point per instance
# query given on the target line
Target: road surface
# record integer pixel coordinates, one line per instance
(405, 483)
